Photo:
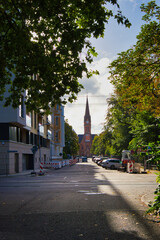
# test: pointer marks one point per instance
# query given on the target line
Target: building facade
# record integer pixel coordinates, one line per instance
(28, 138)
(85, 140)
(58, 133)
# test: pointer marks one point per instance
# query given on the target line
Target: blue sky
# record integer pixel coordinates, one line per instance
(117, 38)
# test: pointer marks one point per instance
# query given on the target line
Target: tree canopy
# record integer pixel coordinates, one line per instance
(136, 72)
(47, 38)
(134, 109)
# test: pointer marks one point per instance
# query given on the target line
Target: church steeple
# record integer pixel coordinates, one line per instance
(87, 119)
(86, 140)
(87, 116)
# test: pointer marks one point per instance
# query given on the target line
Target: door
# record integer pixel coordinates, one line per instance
(16, 162)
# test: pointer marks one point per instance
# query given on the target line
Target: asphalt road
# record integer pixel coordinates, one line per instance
(84, 202)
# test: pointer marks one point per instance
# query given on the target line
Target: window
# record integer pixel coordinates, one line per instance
(13, 133)
(35, 120)
(57, 121)
(31, 119)
(27, 137)
(49, 118)
(18, 134)
(115, 161)
(31, 141)
(57, 137)
(87, 129)
(21, 107)
(87, 138)
(28, 119)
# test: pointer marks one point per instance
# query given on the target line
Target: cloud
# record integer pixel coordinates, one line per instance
(98, 88)
(90, 85)
(134, 3)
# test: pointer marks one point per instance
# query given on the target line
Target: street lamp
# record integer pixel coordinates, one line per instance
(34, 150)
(48, 124)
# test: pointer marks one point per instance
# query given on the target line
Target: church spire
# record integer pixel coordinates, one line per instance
(87, 113)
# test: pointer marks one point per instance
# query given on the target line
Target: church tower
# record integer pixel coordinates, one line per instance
(87, 123)
(86, 139)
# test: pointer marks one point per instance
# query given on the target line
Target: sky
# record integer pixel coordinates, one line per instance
(117, 38)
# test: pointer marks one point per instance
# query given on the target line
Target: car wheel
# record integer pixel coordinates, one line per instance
(112, 167)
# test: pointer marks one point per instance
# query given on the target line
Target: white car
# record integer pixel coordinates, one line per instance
(111, 163)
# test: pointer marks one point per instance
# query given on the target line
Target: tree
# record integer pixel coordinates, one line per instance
(101, 144)
(118, 125)
(94, 149)
(136, 72)
(46, 38)
(145, 128)
(71, 141)
(135, 75)
(98, 145)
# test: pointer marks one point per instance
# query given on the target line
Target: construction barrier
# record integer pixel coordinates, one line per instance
(72, 161)
(41, 168)
(49, 165)
(67, 162)
(55, 164)
(130, 167)
(137, 168)
(133, 167)
(59, 164)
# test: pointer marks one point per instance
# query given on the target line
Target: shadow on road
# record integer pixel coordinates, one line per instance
(74, 212)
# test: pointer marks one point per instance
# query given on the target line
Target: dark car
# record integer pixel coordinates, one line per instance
(84, 159)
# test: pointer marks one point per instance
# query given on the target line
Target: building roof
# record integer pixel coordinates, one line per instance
(81, 137)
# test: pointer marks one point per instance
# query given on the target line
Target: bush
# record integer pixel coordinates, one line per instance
(155, 206)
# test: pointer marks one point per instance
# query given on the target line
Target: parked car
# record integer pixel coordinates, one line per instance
(97, 159)
(103, 163)
(103, 159)
(112, 163)
(84, 159)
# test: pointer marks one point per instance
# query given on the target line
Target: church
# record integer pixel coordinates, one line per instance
(85, 140)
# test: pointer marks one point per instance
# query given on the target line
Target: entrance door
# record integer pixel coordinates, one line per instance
(16, 162)
(28, 163)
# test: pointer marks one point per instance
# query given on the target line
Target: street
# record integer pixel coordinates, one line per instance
(84, 202)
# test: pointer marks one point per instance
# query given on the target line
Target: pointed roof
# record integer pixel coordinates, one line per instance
(87, 114)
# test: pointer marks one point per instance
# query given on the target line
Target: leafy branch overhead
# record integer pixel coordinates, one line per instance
(47, 38)
(136, 72)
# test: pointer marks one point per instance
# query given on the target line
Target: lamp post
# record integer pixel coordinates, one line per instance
(34, 150)
(48, 124)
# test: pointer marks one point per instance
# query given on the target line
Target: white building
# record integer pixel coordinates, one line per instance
(21, 132)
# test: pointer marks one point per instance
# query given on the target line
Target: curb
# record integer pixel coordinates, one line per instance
(146, 199)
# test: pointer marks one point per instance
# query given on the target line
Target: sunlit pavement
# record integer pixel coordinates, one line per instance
(84, 201)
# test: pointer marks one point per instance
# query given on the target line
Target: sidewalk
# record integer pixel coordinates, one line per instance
(27, 172)
(147, 198)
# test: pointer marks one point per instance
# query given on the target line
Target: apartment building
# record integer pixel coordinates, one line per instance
(28, 138)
